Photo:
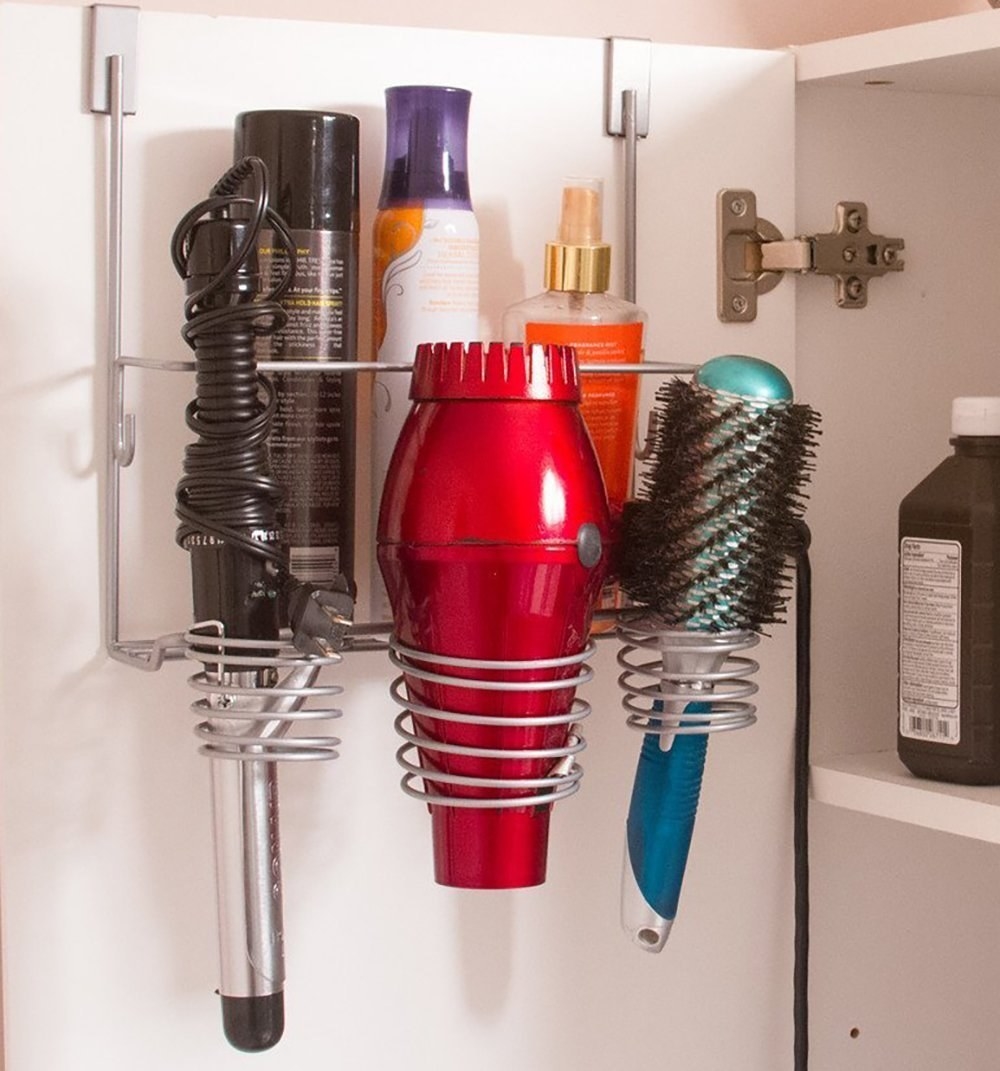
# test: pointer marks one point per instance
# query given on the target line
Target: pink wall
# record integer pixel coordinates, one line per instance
(741, 23)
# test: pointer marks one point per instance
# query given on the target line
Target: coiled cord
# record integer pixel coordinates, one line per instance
(227, 491)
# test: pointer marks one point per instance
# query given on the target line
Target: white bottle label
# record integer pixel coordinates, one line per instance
(429, 292)
(930, 615)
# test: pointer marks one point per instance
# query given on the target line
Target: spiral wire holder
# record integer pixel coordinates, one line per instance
(564, 776)
(241, 680)
(690, 668)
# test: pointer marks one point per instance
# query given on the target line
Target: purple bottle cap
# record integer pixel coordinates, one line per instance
(425, 148)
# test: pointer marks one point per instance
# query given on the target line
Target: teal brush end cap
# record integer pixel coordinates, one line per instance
(747, 377)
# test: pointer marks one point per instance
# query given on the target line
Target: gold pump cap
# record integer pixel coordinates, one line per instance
(579, 260)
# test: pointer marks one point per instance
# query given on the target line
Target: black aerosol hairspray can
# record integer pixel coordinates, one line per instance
(312, 162)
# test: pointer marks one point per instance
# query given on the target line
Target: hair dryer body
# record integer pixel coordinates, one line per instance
(493, 536)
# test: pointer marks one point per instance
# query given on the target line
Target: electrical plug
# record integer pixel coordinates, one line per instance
(320, 616)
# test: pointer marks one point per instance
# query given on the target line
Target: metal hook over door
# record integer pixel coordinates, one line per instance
(627, 116)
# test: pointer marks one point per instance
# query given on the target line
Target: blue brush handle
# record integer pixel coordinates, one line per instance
(661, 817)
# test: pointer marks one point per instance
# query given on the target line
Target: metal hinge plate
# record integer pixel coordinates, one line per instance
(753, 257)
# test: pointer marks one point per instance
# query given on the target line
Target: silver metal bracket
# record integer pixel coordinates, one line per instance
(629, 60)
(114, 31)
(753, 256)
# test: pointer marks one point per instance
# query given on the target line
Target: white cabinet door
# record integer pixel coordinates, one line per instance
(108, 902)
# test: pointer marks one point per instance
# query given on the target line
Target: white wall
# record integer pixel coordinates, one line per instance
(737, 23)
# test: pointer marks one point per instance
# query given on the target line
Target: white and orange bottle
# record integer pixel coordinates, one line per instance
(426, 256)
(576, 310)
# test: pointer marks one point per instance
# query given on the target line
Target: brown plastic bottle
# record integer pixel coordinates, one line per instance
(949, 607)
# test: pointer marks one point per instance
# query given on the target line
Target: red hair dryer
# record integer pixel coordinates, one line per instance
(492, 540)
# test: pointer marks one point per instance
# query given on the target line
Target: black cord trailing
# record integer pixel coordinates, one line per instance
(227, 496)
(800, 833)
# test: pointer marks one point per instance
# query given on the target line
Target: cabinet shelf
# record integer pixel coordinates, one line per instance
(877, 783)
(953, 55)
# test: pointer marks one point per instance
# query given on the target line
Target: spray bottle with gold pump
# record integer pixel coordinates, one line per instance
(576, 310)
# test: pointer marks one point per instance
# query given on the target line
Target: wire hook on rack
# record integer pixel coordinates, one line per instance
(114, 35)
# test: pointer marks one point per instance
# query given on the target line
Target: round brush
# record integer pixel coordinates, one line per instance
(704, 553)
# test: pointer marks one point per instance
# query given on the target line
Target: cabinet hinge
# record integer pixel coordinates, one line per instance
(753, 256)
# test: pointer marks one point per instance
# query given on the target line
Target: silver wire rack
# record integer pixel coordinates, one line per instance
(253, 693)
(696, 683)
(562, 777)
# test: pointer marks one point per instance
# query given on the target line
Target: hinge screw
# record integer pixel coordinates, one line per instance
(740, 304)
(889, 255)
(738, 206)
(854, 221)
(854, 288)
(850, 253)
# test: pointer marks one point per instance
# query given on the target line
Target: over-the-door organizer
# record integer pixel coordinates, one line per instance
(107, 896)
(245, 726)
(249, 725)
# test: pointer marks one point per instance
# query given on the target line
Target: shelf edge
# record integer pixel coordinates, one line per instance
(884, 49)
(878, 785)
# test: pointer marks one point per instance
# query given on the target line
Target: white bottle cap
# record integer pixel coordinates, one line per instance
(975, 416)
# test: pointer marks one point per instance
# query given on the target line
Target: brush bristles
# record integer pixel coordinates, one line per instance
(707, 544)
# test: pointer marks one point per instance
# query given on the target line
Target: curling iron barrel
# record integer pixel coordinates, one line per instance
(492, 540)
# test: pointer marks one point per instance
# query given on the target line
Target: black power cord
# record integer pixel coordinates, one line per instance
(227, 496)
(227, 493)
(800, 806)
